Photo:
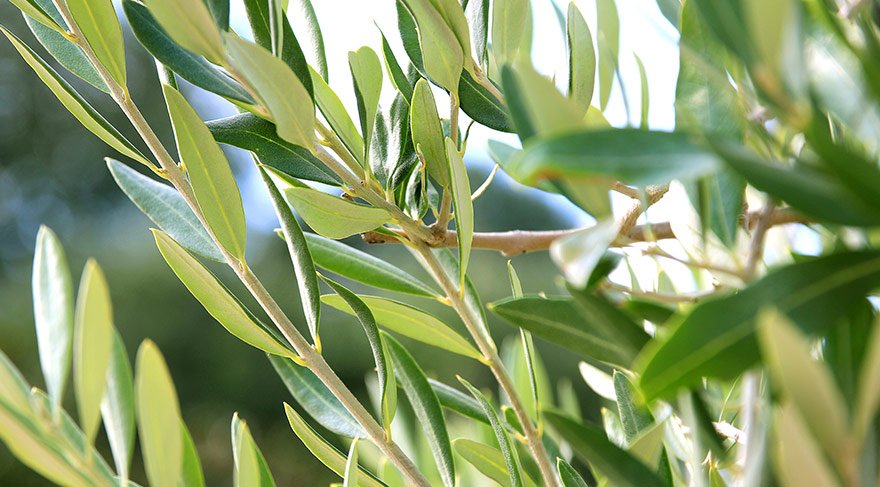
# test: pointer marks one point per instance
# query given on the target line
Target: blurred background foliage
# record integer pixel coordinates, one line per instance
(52, 172)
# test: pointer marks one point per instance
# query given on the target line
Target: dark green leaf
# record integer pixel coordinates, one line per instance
(395, 72)
(504, 443)
(482, 106)
(634, 417)
(220, 11)
(315, 37)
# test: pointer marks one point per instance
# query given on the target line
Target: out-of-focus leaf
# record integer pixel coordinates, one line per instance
(191, 474)
(166, 208)
(279, 88)
(251, 469)
(334, 217)
(488, 460)
(510, 458)
(633, 417)
(568, 475)
(351, 466)
(190, 24)
(644, 99)
(216, 299)
(74, 103)
(209, 174)
(220, 11)
(158, 415)
(799, 460)
(99, 26)
(315, 36)
(324, 451)
(593, 446)
(441, 53)
(581, 59)
(117, 407)
(426, 407)
(410, 322)
(632, 156)
(463, 205)
(53, 313)
(536, 106)
(868, 396)
(188, 65)
(608, 43)
(366, 72)
(92, 347)
(509, 26)
(455, 400)
(671, 9)
(427, 134)
(578, 253)
(249, 132)
(14, 390)
(718, 337)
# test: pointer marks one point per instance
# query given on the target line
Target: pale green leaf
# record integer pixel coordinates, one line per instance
(799, 460)
(191, 474)
(14, 390)
(427, 133)
(216, 299)
(868, 396)
(337, 116)
(324, 451)
(190, 24)
(366, 72)
(93, 344)
(97, 21)
(117, 407)
(441, 51)
(315, 36)
(509, 27)
(568, 475)
(74, 103)
(464, 207)
(488, 460)
(351, 466)
(34, 10)
(410, 322)
(158, 415)
(578, 253)
(334, 217)
(280, 89)
(644, 99)
(53, 312)
(581, 59)
(608, 41)
(68, 54)
(209, 174)
(536, 106)
(251, 469)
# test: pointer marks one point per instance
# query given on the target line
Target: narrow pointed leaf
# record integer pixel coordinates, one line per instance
(581, 59)
(209, 173)
(14, 390)
(608, 41)
(337, 116)
(426, 407)
(166, 208)
(251, 469)
(482, 106)
(53, 313)
(366, 72)
(427, 134)
(93, 342)
(455, 400)
(464, 206)
(117, 408)
(488, 460)
(799, 459)
(536, 106)
(216, 299)
(351, 466)
(510, 458)
(315, 36)
(868, 397)
(190, 24)
(395, 72)
(334, 217)
(191, 474)
(97, 21)
(66, 52)
(633, 417)
(35, 10)
(324, 451)
(568, 475)
(158, 415)
(478, 14)
(410, 322)
(74, 103)
(360, 266)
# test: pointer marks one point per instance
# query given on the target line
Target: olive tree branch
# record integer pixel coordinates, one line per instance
(313, 360)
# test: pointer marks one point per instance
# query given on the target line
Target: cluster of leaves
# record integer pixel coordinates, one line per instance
(759, 108)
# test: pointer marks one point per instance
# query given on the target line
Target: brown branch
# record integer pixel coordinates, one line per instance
(518, 242)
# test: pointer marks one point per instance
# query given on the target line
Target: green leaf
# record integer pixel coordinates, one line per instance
(509, 26)
(633, 417)
(568, 475)
(477, 12)
(34, 9)
(337, 116)
(360, 266)
(188, 65)
(455, 400)
(351, 466)
(14, 390)
(806, 384)
(117, 407)
(410, 322)
(220, 11)
(191, 474)
(504, 442)
(280, 89)
(464, 207)
(608, 40)
(384, 369)
(216, 299)
(190, 24)
(441, 52)
(482, 106)
(251, 469)
(303, 266)
(427, 134)
(209, 174)
(97, 21)
(426, 407)
(395, 72)
(366, 73)
(324, 451)
(313, 396)
(158, 415)
(66, 52)
(799, 460)
(536, 106)
(316, 38)
(868, 396)
(632, 156)
(488, 460)
(561, 321)
(644, 99)
(581, 59)
(591, 444)
(718, 338)
(249, 132)
(74, 103)
(579, 253)
(166, 208)
(53, 313)
(334, 217)
(92, 347)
